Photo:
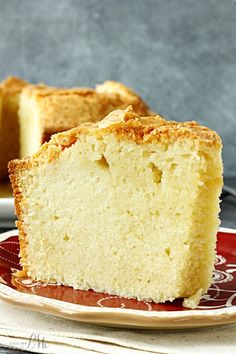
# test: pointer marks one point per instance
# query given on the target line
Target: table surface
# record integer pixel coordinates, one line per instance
(228, 219)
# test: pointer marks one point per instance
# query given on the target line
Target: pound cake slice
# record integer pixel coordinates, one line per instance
(9, 129)
(45, 110)
(0, 107)
(127, 206)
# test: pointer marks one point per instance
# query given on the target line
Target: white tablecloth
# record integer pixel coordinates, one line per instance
(42, 333)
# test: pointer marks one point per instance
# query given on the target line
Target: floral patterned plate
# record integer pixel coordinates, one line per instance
(217, 307)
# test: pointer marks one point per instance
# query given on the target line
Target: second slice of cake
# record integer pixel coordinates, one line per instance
(9, 127)
(127, 206)
(44, 111)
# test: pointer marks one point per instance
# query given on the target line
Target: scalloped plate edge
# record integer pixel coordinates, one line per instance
(116, 316)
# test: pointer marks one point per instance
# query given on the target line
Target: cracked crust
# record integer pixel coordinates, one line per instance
(125, 124)
(62, 109)
(12, 85)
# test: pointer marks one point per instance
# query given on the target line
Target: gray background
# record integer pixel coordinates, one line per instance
(179, 55)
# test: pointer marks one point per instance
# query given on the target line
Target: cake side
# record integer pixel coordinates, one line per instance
(50, 110)
(0, 108)
(16, 170)
(124, 185)
(9, 131)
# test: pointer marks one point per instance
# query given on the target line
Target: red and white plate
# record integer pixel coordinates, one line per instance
(217, 307)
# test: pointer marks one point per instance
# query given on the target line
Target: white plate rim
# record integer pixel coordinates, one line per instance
(7, 209)
(217, 316)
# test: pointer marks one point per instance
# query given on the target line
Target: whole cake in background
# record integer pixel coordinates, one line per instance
(32, 113)
(45, 110)
(127, 206)
(0, 106)
(9, 128)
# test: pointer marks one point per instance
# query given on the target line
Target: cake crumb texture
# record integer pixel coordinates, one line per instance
(127, 206)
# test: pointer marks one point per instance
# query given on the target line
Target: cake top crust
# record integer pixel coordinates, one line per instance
(108, 87)
(126, 124)
(41, 91)
(13, 85)
(66, 108)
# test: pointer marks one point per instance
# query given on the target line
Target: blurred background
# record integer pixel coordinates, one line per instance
(180, 56)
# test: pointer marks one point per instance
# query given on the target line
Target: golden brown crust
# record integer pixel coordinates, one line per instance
(12, 85)
(42, 91)
(47, 135)
(15, 167)
(126, 124)
(129, 96)
(63, 109)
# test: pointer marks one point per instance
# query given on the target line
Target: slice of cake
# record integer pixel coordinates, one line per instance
(0, 107)
(46, 110)
(9, 129)
(31, 114)
(128, 206)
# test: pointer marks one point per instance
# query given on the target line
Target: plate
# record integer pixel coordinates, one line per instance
(7, 210)
(217, 307)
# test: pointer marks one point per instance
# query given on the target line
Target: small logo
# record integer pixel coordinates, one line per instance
(36, 341)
